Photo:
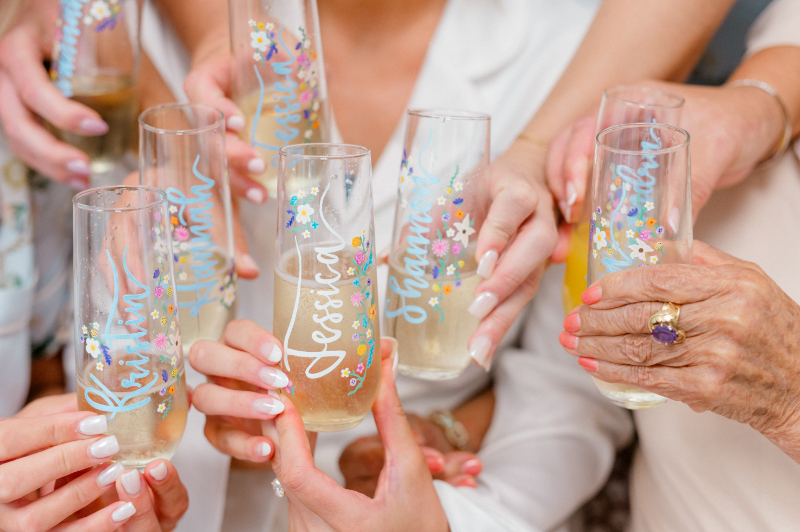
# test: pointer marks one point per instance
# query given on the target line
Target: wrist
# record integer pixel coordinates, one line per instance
(215, 43)
(763, 121)
(526, 157)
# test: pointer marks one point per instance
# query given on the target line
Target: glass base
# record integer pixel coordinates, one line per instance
(629, 397)
(333, 426)
(429, 374)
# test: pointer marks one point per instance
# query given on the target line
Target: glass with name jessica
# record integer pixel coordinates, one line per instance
(641, 214)
(182, 151)
(278, 77)
(129, 362)
(326, 299)
(432, 269)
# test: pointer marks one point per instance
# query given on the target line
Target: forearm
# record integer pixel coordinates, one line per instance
(476, 416)
(203, 30)
(152, 88)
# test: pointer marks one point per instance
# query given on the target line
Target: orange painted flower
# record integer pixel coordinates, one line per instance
(173, 220)
(447, 289)
(372, 310)
(459, 214)
(170, 308)
(172, 390)
(651, 221)
(618, 181)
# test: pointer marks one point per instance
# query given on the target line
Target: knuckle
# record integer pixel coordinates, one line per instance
(638, 349)
(29, 521)
(293, 478)
(636, 317)
(6, 489)
(645, 377)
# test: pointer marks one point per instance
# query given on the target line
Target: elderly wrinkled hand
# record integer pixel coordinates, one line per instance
(741, 355)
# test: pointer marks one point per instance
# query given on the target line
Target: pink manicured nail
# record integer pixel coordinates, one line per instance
(568, 340)
(467, 483)
(591, 295)
(236, 123)
(255, 195)
(572, 323)
(93, 126)
(256, 165)
(589, 364)
(247, 262)
(472, 467)
(79, 166)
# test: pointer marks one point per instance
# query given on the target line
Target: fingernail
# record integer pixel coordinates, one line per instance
(566, 210)
(159, 472)
(568, 340)
(472, 467)
(104, 448)
(79, 166)
(255, 195)
(435, 463)
(92, 426)
(467, 483)
(123, 512)
(256, 165)
(268, 406)
(674, 219)
(264, 449)
(487, 264)
(78, 185)
(483, 305)
(589, 364)
(271, 352)
(479, 351)
(247, 262)
(572, 193)
(132, 482)
(591, 295)
(93, 126)
(273, 377)
(110, 474)
(572, 323)
(235, 123)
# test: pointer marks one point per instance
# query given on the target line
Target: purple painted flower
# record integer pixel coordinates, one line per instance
(360, 257)
(440, 247)
(158, 291)
(446, 217)
(360, 368)
(353, 381)
(356, 336)
(456, 248)
(157, 216)
(660, 230)
(162, 391)
(458, 284)
(599, 211)
(164, 375)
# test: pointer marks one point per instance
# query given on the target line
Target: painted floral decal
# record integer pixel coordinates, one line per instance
(301, 213)
(363, 298)
(104, 13)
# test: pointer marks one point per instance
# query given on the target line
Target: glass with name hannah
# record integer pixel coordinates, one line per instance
(432, 268)
(326, 299)
(641, 214)
(182, 151)
(129, 362)
(278, 77)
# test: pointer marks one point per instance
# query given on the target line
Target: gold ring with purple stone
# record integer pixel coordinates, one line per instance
(663, 324)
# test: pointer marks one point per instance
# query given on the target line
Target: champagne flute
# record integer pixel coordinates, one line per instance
(642, 214)
(432, 268)
(182, 151)
(326, 298)
(127, 335)
(278, 77)
(620, 105)
(95, 61)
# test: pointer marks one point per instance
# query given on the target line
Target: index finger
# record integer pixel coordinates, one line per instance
(209, 82)
(171, 500)
(47, 431)
(245, 335)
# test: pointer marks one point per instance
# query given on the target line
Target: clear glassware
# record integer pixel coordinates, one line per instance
(620, 105)
(127, 334)
(432, 267)
(641, 204)
(278, 77)
(95, 61)
(182, 151)
(326, 300)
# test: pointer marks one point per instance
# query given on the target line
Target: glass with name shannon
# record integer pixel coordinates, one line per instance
(326, 299)
(278, 77)
(182, 151)
(641, 214)
(432, 269)
(129, 362)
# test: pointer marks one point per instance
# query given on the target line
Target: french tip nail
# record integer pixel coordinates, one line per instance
(104, 448)
(479, 351)
(271, 352)
(268, 406)
(94, 425)
(572, 194)
(487, 264)
(123, 512)
(159, 472)
(132, 482)
(264, 449)
(109, 476)
(236, 123)
(482, 305)
(248, 262)
(93, 126)
(272, 376)
(255, 195)
(256, 165)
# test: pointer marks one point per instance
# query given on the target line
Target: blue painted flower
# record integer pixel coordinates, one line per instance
(175, 258)
(293, 201)
(155, 274)
(314, 225)
(369, 282)
(599, 211)
(435, 272)
(298, 46)
(458, 201)
(306, 113)
(291, 218)
(355, 283)
(633, 212)
(164, 375)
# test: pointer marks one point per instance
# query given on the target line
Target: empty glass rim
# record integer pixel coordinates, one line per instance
(76, 200)
(449, 114)
(674, 101)
(220, 119)
(292, 151)
(660, 151)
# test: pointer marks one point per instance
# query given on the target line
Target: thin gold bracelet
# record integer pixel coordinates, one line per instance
(787, 123)
(533, 138)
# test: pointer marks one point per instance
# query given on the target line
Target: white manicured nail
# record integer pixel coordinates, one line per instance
(572, 194)
(255, 195)
(487, 264)
(479, 351)
(104, 448)
(482, 305)
(566, 210)
(268, 406)
(110, 475)
(256, 165)
(236, 123)
(271, 352)
(272, 376)
(674, 219)
(92, 426)
(93, 126)
(132, 482)
(79, 167)
(123, 512)
(159, 472)
(264, 449)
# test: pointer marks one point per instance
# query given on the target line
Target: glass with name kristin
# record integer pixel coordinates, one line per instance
(129, 362)
(641, 204)
(432, 269)
(182, 151)
(326, 299)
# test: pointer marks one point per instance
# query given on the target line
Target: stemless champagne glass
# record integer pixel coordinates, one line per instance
(182, 151)
(326, 298)
(127, 334)
(642, 214)
(620, 105)
(432, 268)
(95, 62)
(278, 76)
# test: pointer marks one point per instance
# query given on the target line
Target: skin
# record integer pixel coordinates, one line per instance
(731, 363)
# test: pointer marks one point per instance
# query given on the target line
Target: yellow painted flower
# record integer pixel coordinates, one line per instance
(93, 333)
(261, 25)
(639, 223)
(184, 259)
(169, 291)
(174, 372)
(461, 264)
(658, 245)
(610, 251)
(449, 190)
(164, 320)
(356, 241)
(362, 349)
(435, 288)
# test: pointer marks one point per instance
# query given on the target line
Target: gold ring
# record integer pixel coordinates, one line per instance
(663, 324)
